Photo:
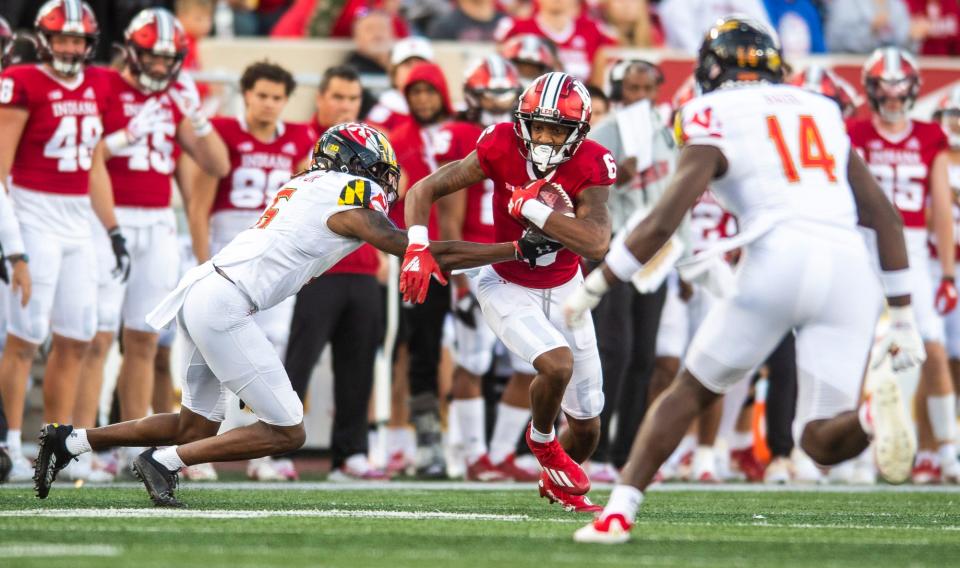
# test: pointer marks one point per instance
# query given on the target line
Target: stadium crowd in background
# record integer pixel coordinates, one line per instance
(442, 422)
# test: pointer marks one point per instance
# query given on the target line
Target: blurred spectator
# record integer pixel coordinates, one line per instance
(532, 55)
(257, 17)
(334, 18)
(341, 308)
(935, 24)
(860, 26)
(196, 17)
(470, 20)
(580, 40)
(631, 21)
(391, 109)
(799, 26)
(372, 39)
(599, 103)
(422, 13)
(685, 22)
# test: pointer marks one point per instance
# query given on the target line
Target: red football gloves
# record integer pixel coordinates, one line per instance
(522, 195)
(415, 273)
(946, 299)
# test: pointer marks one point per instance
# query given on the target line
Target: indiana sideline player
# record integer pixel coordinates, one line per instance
(319, 216)
(798, 193)
(545, 143)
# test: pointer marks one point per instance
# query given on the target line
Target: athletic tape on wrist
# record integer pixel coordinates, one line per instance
(536, 212)
(596, 283)
(417, 235)
(116, 142)
(621, 261)
(202, 126)
(895, 282)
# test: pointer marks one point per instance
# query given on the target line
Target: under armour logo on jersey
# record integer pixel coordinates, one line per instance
(89, 94)
(289, 148)
(127, 97)
(558, 477)
(913, 144)
(245, 146)
(55, 95)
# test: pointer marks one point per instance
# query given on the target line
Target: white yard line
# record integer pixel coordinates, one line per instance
(34, 550)
(153, 513)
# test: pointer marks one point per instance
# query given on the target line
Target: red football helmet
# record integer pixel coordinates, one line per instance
(71, 18)
(948, 115)
(554, 98)
(819, 79)
(154, 33)
(531, 54)
(491, 89)
(891, 73)
(6, 42)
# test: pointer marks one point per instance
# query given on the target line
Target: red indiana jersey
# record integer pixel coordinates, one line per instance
(455, 141)
(258, 169)
(902, 167)
(577, 46)
(141, 173)
(499, 153)
(56, 148)
(709, 223)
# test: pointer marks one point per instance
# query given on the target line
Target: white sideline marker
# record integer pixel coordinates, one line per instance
(35, 550)
(136, 513)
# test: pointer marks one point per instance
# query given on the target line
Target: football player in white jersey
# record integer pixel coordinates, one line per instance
(799, 193)
(319, 216)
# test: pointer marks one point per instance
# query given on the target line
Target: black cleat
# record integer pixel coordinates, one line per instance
(6, 464)
(159, 481)
(52, 456)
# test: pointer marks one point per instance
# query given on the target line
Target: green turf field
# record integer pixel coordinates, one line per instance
(421, 527)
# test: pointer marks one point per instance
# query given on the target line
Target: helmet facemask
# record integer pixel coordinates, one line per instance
(66, 64)
(150, 81)
(545, 157)
(879, 91)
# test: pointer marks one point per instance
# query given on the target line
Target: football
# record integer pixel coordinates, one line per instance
(554, 197)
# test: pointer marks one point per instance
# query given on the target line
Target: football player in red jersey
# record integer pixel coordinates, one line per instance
(50, 122)
(152, 114)
(902, 153)
(491, 89)
(265, 152)
(544, 144)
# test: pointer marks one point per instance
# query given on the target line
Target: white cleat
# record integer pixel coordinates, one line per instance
(894, 443)
(778, 472)
(22, 469)
(609, 529)
(200, 472)
(263, 469)
(85, 469)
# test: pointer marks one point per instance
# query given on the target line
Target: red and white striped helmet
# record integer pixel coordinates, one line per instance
(6, 42)
(491, 89)
(891, 72)
(155, 32)
(66, 17)
(819, 79)
(555, 98)
(948, 115)
(532, 50)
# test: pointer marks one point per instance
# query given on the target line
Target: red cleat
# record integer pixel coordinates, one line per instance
(558, 466)
(513, 471)
(484, 470)
(747, 463)
(571, 503)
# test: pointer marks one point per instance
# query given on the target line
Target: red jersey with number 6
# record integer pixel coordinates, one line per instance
(56, 148)
(498, 150)
(902, 166)
(258, 169)
(141, 173)
(478, 219)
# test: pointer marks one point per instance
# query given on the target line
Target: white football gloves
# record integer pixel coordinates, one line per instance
(147, 121)
(903, 341)
(586, 297)
(187, 98)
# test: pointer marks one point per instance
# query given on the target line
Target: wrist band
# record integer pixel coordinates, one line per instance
(621, 261)
(417, 235)
(895, 282)
(201, 126)
(117, 141)
(536, 212)
(596, 284)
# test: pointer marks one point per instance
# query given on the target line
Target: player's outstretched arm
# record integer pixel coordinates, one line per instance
(449, 178)
(587, 234)
(696, 166)
(376, 229)
(876, 212)
(941, 205)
